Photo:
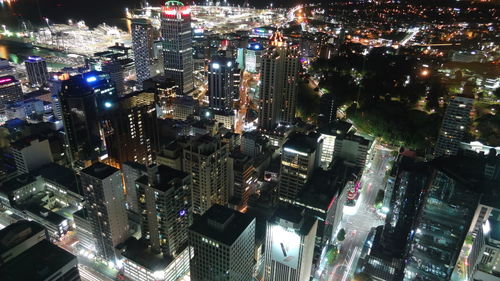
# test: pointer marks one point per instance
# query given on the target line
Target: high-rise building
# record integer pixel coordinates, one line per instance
(103, 191)
(327, 109)
(82, 99)
(131, 172)
(329, 134)
(10, 90)
(442, 224)
(223, 82)
(352, 148)
(298, 161)
(223, 242)
(165, 202)
(177, 45)
(36, 67)
(290, 239)
(116, 73)
(253, 57)
(455, 123)
(30, 154)
(242, 179)
(27, 254)
(206, 159)
(142, 43)
(278, 90)
(130, 128)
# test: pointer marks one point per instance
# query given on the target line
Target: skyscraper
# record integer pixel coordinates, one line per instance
(142, 43)
(455, 123)
(206, 159)
(223, 75)
(177, 45)
(130, 128)
(298, 161)
(116, 73)
(290, 238)
(103, 192)
(278, 92)
(10, 90)
(83, 99)
(36, 67)
(165, 203)
(223, 242)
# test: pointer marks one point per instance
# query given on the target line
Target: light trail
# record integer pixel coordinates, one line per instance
(351, 261)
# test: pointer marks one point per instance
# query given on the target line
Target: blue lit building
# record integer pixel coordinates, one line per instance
(36, 67)
(83, 98)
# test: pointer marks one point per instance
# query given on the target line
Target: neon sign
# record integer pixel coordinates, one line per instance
(5, 80)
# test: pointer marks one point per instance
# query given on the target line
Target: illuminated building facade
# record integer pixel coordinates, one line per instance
(455, 123)
(10, 90)
(36, 67)
(290, 239)
(130, 129)
(222, 242)
(223, 82)
(164, 197)
(278, 92)
(103, 191)
(298, 160)
(83, 98)
(206, 158)
(177, 45)
(142, 43)
(253, 57)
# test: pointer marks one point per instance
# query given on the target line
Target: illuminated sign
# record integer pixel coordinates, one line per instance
(6, 80)
(294, 151)
(285, 246)
(91, 79)
(215, 65)
(198, 31)
(35, 58)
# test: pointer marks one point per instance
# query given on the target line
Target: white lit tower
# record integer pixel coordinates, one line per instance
(278, 92)
(142, 43)
(103, 192)
(177, 45)
(290, 239)
(455, 123)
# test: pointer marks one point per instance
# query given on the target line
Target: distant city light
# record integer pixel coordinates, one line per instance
(108, 104)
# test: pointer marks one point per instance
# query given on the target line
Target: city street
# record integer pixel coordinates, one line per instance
(358, 225)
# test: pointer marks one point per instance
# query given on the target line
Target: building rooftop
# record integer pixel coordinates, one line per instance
(25, 142)
(300, 142)
(16, 233)
(139, 252)
(294, 215)
(222, 224)
(16, 183)
(336, 128)
(45, 214)
(165, 178)
(60, 175)
(37, 263)
(100, 170)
